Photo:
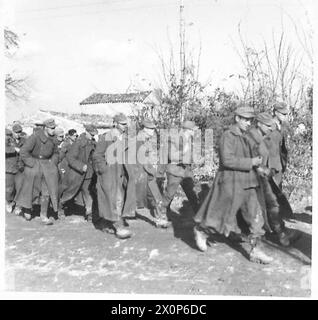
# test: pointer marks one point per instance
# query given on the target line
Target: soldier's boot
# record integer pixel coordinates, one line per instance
(120, 231)
(286, 238)
(200, 239)
(88, 215)
(256, 254)
(9, 206)
(17, 210)
(28, 214)
(61, 212)
(161, 220)
(44, 208)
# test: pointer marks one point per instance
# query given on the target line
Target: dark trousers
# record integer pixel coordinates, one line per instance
(272, 206)
(10, 186)
(87, 197)
(187, 185)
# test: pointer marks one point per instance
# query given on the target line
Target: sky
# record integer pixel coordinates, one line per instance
(70, 49)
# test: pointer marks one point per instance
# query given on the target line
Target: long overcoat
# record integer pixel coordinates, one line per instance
(14, 165)
(259, 146)
(235, 174)
(147, 189)
(39, 155)
(80, 153)
(278, 153)
(113, 176)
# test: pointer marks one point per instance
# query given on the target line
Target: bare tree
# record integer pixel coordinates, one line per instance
(271, 72)
(16, 87)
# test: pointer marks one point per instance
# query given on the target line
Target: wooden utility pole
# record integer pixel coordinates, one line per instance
(182, 54)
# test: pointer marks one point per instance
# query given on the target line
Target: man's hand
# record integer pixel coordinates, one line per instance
(85, 168)
(17, 149)
(257, 161)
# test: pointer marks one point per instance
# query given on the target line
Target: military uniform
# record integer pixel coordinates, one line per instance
(76, 180)
(148, 194)
(40, 157)
(276, 145)
(277, 205)
(115, 185)
(235, 187)
(14, 165)
(178, 169)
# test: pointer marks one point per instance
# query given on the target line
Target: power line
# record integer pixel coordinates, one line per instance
(75, 6)
(108, 10)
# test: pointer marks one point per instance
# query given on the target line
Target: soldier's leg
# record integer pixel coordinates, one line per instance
(44, 202)
(173, 183)
(252, 214)
(119, 226)
(10, 190)
(188, 188)
(87, 197)
(155, 201)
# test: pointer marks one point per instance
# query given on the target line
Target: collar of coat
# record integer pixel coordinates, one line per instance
(235, 130)
(83, 140)
(255, 134)
(43, 137)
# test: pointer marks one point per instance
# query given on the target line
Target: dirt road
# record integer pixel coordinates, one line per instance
(73, 256)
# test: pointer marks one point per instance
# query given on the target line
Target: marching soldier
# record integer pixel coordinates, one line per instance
(277, 143)
(79, 172)
(64, 148)
(147, 191)
(259, 137)
(235, 188)
(116, 191)
(40, 157)
(178, 169)
(14, 165)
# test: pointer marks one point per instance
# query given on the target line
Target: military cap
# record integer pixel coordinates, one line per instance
(148, 124)
(71, 132)
(245, 112)
(281, 107)
(265, 118)
(90, 128)
(59, 131)
(49, 123)
(8, 132)
(189, 125)
(16, 128)
(120, 118)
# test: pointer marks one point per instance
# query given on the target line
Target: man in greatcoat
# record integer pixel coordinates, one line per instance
(178, 169)
(148, 194)
(277, 143)
(115, 185)
(14, 165)
(64, 148)
(235, 187)
(40, 157)
(275, 200)
(78, 177)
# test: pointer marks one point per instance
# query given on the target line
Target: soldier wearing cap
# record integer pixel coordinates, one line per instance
(235, 187)
(148, 194)
(40, 157)
(276, 143)
(275, 202)
(178, 169)
(65, 146)
(79, 175)
(14, 165)
(115, 185)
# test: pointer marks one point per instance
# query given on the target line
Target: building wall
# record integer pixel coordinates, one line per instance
(109, 109)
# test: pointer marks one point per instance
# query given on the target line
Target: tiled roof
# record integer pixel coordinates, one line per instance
(116, 98)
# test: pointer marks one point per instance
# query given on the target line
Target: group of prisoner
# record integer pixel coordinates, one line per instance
(53, 170)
